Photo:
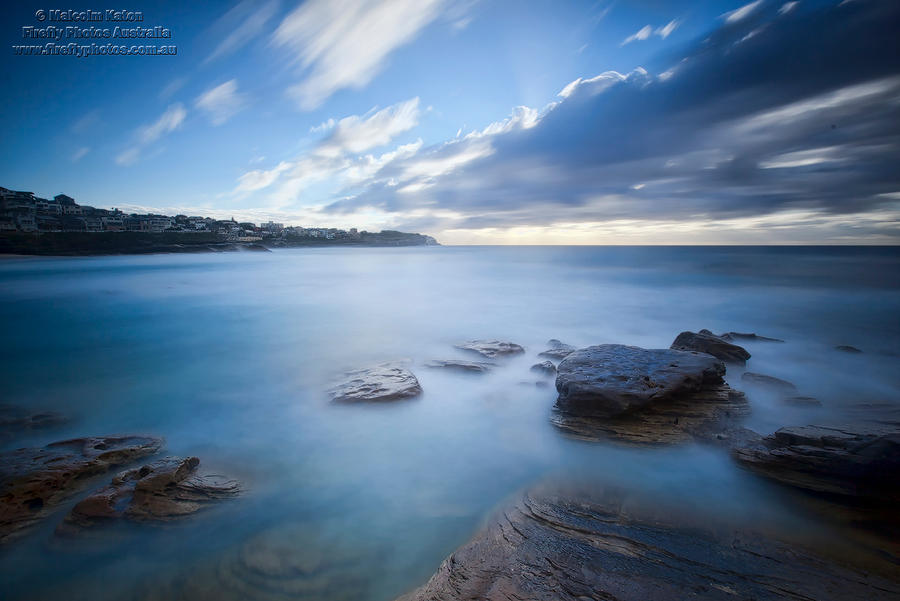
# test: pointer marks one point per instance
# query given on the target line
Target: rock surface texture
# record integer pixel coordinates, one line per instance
(491, 348)
(705, 341)
(770, 382)
(15, 420)
(545, 368)
(35, 480)
(562, 548)
(165, 489)
(478, 367)
(558, 350)
(385, 382)
(732, 336)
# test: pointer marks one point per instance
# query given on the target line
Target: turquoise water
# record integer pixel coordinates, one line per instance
(228, 355)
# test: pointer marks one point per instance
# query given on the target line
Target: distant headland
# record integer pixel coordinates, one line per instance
(30, 225)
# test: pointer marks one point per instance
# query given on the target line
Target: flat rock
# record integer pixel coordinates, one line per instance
(33, 481)
(385, 382)
(544, 367)
(491, 348)
(479, 367)
(732, 336)
(705, 341)
(561, 547)
(858, 462)
(162, 490)
(801, 401)
(558, 350)
(612, 379)
(846, 348)
(770, 382)
(15, 420)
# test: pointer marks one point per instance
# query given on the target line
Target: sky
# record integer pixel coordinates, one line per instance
(478, 121)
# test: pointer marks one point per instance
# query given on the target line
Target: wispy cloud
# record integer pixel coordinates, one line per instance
(340, 44)
(80, 153)
(742, 12)
(356, 134)
(222, 102)
(145, 135)
(239, 26)
(646, 31)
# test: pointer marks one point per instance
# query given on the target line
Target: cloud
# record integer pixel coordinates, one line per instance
(145, 135)
(742, 12)
(239, 26)
(222, 102)
(641, 34)
(667, 29)
(338, 44)
(80, 153)
(646, 31)
(356, 134)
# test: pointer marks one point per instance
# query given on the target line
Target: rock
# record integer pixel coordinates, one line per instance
(385, 382)
(770, 382)
(466, 366)
(557, 350)
(732, 336)
(705, 341)
(858, 463)
(33, 481)
(567, 547)
(846, 348)
(544, 367)
(15, 420)
(611, 379)
(165, 489)
(801, 401)
(491, 348)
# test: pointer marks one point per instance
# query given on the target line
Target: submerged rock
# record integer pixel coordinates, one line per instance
(34, 481)
(731, 336)
(15, 420)
(466, 366)
(385, 382)
(859, 463)
(165, 489)
(771, 382)
(491, 348)
(557, 350)
(846, 348)
(544, 367)
(801, 401)
(705, 341)
(567, 547)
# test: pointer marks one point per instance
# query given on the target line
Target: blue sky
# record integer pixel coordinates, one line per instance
(481, 122)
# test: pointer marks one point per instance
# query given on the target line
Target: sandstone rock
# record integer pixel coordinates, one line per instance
(771, 382)
(165, 489)
(385, 382)
(557, 350)
(858, 463)
(732, 336)
(611, 379)
(705, 341)
(16, 420)
(33, 481)
(846, 348)
(544, 367)
(562, 547)
(466, 366)
(491, 348)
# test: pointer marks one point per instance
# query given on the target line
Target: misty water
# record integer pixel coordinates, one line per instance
(228, 356)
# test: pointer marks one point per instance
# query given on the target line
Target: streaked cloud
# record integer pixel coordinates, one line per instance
(742, 12)
(241, 25)
(222, 102)
(646, 31)
(145, 135)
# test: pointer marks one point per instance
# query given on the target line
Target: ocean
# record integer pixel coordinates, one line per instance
(229, 356)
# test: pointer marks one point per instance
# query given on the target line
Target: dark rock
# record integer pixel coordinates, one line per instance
(802, 401)
(770, 382)
(544, 367)
(34, 481)
(491, 348)
(467, 366)
(557, 350)
(846, 348)
(705, 341)
(385, 382)
(567, 547)
(165, 489)
(16, 420)
(859, 463)
(611, 379)
(732, 336)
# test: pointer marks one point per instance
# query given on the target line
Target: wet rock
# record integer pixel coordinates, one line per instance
(770, 382)
(801, 401)
(545, 368)
(479, 367)
(558, 350)
(491, 348)
(858, 463)
(705, 341)
(33, 481)
(385, 382)
(15, 420)
(562, 547)
(732, 336)
(163, 490)
(611, 379)
(846, 348)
